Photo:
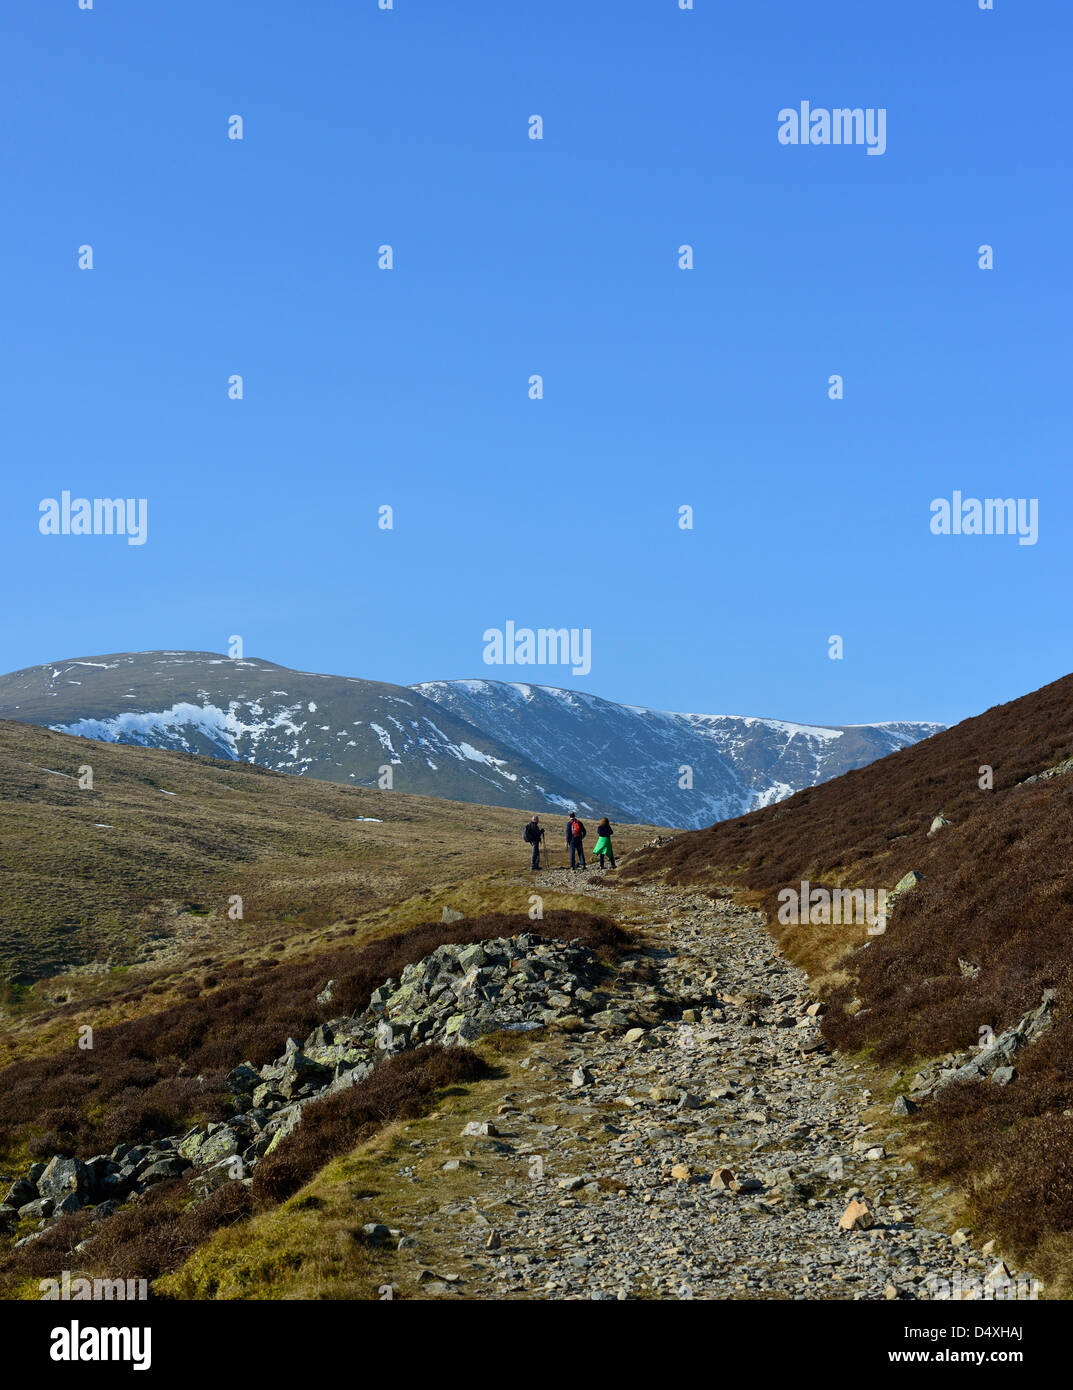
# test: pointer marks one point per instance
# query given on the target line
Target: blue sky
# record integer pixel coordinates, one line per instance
(514, 256)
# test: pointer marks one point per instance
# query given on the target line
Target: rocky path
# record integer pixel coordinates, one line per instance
(709, 1150)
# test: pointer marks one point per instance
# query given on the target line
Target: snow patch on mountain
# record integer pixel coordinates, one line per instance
(151, 729)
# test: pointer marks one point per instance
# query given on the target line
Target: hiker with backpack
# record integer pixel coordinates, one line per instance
(575, 835)
(534, 834)
(603, 842)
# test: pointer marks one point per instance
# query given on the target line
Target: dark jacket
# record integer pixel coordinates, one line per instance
(533, 833)
(571, 834)
(604, 828)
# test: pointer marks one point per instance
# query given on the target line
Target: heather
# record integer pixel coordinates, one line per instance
(972, 946)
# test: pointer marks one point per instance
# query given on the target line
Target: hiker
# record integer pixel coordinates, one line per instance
(534, 833)
(575, 835)
(603, 842)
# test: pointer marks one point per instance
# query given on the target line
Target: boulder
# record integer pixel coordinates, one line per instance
(21, 1191)
(243, 1079)
(299, 1072)
(38, 1209)
(191, 1143)
(282, 1124)
(857, 1217)
(163, 1170)
(63, 1176)
(472, 956)
(476, 1128)
(215, 1176)
(225, 1143)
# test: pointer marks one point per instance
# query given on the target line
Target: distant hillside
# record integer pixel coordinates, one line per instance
(163, 840)
(973, 946)
(493, 742)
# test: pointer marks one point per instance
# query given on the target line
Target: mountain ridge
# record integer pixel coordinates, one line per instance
(533, 747)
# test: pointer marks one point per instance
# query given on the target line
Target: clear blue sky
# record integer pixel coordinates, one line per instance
(513, 256)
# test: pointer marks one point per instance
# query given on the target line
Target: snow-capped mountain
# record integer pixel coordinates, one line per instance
(664, 768)
(496, 742)
(337, 728)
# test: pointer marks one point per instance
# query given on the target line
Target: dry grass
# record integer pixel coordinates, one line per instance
(161, 878)
(311, 1245)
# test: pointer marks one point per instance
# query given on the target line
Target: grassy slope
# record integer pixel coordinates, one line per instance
(292, 848)
(997, 894)
(314, 881)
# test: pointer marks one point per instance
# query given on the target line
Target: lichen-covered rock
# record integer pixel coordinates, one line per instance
(63, 1176)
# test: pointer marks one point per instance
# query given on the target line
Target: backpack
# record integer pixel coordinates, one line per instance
(527, 834)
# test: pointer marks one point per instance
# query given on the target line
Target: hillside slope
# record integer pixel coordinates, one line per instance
(966, 954)
(163, 840)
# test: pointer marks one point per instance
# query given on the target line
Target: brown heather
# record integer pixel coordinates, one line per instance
(159, 1232)
(997, 893)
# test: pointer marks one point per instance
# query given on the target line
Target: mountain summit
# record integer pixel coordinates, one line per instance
(500, 743)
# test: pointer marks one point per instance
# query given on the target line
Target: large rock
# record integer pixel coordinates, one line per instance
(300, 1072)
(163, 1170)
(286, 1122)
(224, 1143)
(857, 1217)
(190, 1144)
(40, 1207)
(244, 1079)
(62, 1177)
(471, 956)
(21, 1191)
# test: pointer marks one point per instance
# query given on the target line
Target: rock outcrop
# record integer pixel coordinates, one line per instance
(452, 997)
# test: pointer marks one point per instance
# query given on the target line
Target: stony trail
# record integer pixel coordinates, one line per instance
(704, 1150)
